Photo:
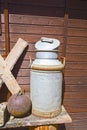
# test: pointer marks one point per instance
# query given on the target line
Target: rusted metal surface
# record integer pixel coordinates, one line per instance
(48, 67)
(47, 114)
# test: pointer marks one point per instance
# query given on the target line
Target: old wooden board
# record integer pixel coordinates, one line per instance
(32, 120)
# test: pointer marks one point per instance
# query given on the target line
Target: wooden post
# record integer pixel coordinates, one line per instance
(6, 20)
(47, 127)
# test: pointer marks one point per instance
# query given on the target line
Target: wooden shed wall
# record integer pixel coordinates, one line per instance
(65, 20)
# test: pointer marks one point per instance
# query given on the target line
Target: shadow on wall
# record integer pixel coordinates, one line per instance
(53, 8)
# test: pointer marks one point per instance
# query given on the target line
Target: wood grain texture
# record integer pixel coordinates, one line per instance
(32, 120)
(32, 20)
(8, 78)
(15, 53)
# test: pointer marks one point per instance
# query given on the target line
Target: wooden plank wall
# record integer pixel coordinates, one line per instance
(66, 21)
(75, 97)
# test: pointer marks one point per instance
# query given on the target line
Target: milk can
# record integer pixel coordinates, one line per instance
(46, 79)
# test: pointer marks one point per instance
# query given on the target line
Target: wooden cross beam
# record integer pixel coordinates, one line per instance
(8, 64)
(8, 77)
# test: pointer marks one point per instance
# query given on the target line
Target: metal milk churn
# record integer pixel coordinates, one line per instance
(46, 79)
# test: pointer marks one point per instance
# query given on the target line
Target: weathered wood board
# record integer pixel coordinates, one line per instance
(32, 120)
(14, 54)
(8, 77)
(3, 113)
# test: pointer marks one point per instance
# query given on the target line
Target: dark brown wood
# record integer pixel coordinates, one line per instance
(6, 19)
(55, 3)
(74, 4)
(65, 27)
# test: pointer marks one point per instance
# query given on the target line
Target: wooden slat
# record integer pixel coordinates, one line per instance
(77, 49)
(76, 95)
(82, 127)
(23, 80)
(2, 46)
(78, 4)
(36, 10)
(76, 103)
(76, 88)
(74, 23)
(79, 118)
(77, 14)
(33, 29)
(76, 80)
(77, 40)
(71, 57)
(35, 20)
(76, 73)
(59, 3)
(77, 32)
(75, 109)
(76, 65)
(30, 37)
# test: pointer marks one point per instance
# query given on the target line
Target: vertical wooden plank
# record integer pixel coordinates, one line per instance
(48, 127)
(65, 27)
(53, 127)
(7, 38)
(6, 20)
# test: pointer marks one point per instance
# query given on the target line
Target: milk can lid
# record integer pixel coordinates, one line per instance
(47, 44)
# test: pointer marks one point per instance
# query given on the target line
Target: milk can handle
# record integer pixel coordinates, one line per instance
(46, 40)
(62, 60)
(30, 62)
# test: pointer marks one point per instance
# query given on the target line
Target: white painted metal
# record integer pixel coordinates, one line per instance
(46, 62)
(46, 86)
(46, 92)
(47, 44)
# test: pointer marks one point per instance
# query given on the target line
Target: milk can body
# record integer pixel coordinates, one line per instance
(46, 79)
(46, 92)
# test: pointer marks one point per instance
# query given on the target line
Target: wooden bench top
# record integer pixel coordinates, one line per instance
(32, 120)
